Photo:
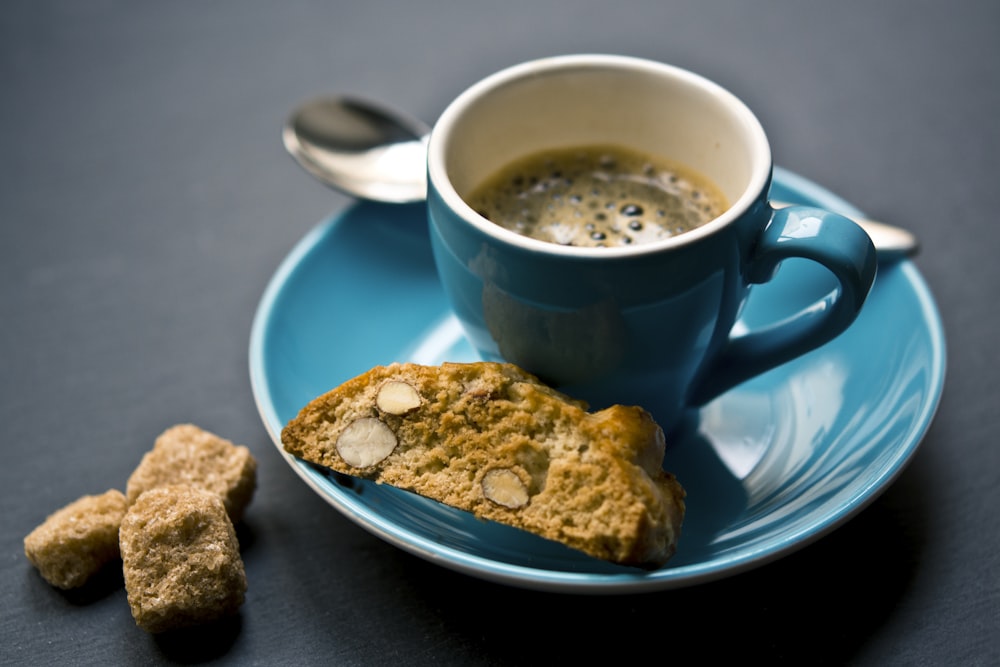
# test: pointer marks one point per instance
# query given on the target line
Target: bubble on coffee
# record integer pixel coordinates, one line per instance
(597, 196)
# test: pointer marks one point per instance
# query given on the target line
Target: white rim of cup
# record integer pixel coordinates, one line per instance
(761, 169)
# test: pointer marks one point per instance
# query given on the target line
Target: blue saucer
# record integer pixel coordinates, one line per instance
(769, 467)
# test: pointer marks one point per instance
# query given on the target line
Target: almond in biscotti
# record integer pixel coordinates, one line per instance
(397, 398)
(365, 442)
(504, 487)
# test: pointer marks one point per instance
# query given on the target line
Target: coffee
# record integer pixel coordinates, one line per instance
(597, 196)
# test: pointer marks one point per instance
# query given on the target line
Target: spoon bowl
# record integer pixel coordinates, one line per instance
(371, 151)
(360, 148)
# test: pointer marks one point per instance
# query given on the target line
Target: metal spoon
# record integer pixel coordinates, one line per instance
(370, 151)
(360, 148)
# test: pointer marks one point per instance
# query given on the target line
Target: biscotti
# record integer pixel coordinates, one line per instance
(77, 541)
(493, 440)
(180, 558)
(187, 454)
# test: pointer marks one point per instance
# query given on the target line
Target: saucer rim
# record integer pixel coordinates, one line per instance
(601, 583)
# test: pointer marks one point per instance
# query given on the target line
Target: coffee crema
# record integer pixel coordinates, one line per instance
(597, 196)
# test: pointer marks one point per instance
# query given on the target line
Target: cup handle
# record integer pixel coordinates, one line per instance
(811, 233)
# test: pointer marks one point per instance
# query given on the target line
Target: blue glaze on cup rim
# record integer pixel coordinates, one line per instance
(751, 197)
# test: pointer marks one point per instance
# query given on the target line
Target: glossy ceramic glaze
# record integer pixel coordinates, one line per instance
(645, 323)
(769, 466)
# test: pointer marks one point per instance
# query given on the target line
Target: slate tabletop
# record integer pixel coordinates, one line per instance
(146, 200)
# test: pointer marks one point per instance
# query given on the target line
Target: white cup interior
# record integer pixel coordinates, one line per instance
(576, 100)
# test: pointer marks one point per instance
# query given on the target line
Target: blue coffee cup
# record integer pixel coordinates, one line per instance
(649, 324)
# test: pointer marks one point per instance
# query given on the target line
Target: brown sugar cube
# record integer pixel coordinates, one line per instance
(187, 454)
(76, 541)
(180, 559)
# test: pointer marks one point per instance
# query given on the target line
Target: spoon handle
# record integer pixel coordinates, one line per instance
(890, 242)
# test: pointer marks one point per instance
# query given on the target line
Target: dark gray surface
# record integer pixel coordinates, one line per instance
(145, 201)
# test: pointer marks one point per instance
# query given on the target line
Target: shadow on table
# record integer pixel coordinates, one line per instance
(103, 584)
(201, 643)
